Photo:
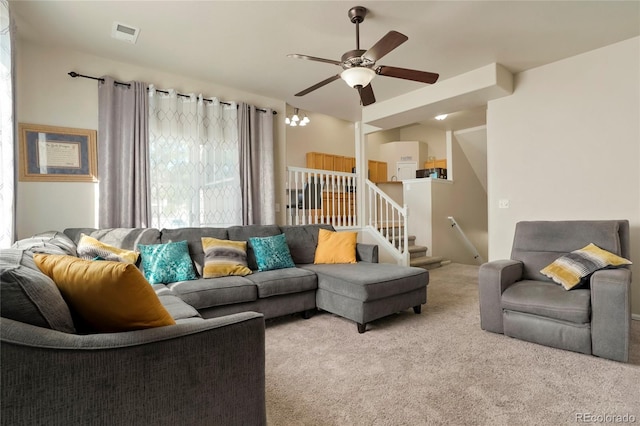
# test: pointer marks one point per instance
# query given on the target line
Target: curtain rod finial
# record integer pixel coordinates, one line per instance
(73, 74)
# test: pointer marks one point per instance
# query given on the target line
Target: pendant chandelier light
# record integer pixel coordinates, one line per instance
(296, 120)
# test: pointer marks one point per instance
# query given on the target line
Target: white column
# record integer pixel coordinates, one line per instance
(361, 170)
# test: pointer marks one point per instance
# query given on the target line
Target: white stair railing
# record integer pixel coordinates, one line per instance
(388, 220)
(466, 240)
(321, 196)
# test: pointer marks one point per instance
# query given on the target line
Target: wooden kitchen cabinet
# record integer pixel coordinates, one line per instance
(338, 163)
(436, 164)
(349, 164)
(315, 160)
(377, 171)
(324, 161)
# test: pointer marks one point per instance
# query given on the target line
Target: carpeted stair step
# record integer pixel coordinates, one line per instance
(417, 251)
(426, 262)
(398, 241)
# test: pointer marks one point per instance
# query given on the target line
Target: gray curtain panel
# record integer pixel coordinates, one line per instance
(123, 155)
(257, 169)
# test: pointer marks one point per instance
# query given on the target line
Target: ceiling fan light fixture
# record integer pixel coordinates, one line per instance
(358, 76)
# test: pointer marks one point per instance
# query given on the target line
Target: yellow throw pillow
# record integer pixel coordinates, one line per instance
(109, 296)
(569, 270)
(89, 248)
(336, 247)
(224, 257)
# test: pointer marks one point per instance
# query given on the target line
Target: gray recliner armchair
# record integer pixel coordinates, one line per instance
(518, 301)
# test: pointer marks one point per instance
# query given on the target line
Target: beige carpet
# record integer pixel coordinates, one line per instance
(438, 367)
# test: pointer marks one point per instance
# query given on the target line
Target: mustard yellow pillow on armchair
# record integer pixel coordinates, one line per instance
(109, 296)
(573, 268)
(336, 247)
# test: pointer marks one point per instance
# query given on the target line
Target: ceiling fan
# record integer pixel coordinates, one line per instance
(359, 66)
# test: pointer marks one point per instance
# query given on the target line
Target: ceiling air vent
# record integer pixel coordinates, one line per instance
(124, 32)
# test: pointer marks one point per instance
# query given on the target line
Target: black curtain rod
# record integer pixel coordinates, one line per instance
(75, 74)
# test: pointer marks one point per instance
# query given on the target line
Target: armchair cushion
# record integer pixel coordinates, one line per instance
(571, 269)
(548, 300)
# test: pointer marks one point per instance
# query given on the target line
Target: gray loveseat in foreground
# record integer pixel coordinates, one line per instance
(208, 369)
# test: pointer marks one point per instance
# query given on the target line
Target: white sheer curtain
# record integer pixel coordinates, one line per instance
(194, 157)
(7, 174)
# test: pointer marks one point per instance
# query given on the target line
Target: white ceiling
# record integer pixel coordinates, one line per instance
(244, 44)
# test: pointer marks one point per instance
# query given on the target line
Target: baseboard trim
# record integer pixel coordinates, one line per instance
(635, 317)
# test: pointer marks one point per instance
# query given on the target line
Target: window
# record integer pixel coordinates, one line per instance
(194, 162)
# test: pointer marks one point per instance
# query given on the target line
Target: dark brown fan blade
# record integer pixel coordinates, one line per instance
(421, 76)
(313, 58)
(385, 45)
(318, 85)
(366, 95)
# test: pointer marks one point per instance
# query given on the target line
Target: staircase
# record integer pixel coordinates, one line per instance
(417, 254)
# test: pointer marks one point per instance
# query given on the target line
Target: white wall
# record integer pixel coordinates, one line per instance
(403, 151)
(393, 190)
(417, 195)
(45, 94)
(466, 200)
(323, 134)
(433, 137)
(473, 142)
(566, 145)
(375, 140)
(432, 201)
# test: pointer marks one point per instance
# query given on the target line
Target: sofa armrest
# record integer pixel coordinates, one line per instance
(196, 372)
(611, 313)
(493, 279)
(367, 252)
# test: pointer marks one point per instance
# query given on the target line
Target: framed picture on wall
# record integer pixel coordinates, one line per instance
(57, 154)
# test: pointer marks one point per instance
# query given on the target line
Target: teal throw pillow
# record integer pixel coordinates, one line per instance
(271, 252)
(166, 263)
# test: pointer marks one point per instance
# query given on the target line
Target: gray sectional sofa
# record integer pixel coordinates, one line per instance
(362, 292)
(206, 369)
